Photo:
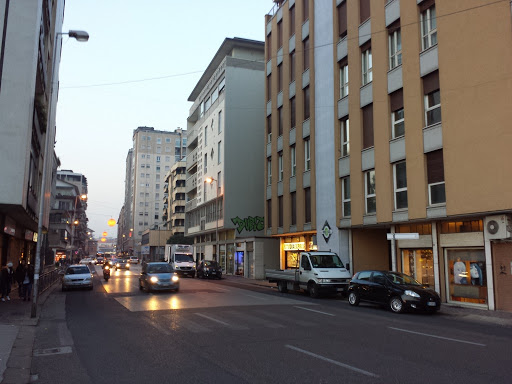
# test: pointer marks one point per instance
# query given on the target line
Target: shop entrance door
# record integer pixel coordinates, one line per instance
(419, 263)
(239, 263)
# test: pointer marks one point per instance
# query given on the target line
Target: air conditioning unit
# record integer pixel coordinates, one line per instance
(498, 227)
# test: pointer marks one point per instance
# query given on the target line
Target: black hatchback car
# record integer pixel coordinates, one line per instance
(395, 290)
(209, 268)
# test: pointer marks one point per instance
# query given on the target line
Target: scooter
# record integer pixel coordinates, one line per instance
(106, 272)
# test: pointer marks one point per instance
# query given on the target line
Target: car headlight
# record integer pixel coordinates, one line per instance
(107, 267)
(153, 279)
(408, 292)
(175, 278)
(127, 265)
(118, 265)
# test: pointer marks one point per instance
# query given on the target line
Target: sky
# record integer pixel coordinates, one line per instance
(141, 63)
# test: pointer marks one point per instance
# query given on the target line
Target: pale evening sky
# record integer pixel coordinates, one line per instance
(106, 89)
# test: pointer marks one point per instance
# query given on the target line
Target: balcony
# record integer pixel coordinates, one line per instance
(192, 159)
(191, 184)
(191, 204)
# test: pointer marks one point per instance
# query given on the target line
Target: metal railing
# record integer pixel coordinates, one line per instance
(47, 279)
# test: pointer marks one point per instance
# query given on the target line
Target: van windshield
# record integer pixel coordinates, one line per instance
(182, 258)
(326, 261)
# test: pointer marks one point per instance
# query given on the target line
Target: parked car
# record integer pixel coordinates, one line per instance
(209, 268)
(158, 276)
(87, 260)
(122, 264)
(77, 276)
(395, 290)
(133, 260)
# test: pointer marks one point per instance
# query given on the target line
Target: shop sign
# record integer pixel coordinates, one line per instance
(144, 249)
(10, 227)
(34, 238)
(294, 246)
(29, 235)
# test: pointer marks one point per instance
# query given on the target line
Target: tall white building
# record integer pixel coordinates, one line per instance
(226, 133)
(154, 154)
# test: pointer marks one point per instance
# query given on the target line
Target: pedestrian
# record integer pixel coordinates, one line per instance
(6, 281)
(28, 280)
(20, 275)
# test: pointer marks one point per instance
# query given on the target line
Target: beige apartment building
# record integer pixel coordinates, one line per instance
(419, 142)
(174, 203)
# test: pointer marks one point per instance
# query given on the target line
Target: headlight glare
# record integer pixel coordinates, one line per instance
(175, 278)
(153, 279)
(408, 292)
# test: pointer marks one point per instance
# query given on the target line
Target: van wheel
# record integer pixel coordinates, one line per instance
(313, 290)
(396, 305)
(281, 286)
(353, 299)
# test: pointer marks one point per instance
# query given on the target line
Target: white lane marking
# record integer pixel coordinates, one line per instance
(52, 351)
(312, 310)
(362, 371)
(212, 319)
(438, 337)
(157, 326)
(256, 297)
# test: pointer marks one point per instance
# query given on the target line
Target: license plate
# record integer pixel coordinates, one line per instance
(431, 304)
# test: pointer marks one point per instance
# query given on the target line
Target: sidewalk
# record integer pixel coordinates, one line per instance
(17, 333)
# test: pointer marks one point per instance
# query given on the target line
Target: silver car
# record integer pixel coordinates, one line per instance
(158, 276)
(77, 276)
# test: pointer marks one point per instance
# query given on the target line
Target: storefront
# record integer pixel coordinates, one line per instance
(293, 246)
(419, 263)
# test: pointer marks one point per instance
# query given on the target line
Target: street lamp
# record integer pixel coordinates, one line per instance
(210, 180)
(79, 36)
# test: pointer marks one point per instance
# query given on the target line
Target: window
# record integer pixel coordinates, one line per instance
(292, 20)
(307, 205)
(305, 10)
(293, 206)
(279, 78)
(167, 158)
(307, 154)
(269, 129)
(143, 156)
(342, 19)
(369, 192)
(167, 149)
(280, 34)
(205, 165)
(395, 48)
(292, 67)
(206, 135)
(159, 140)
(269, 47)
(368, 126)
(269, 213)
(435, 177)
(306, 103)
(280, 121)
(142, 174)
(293, 161)
(428, 27)
(400, 181)
(158, 159)
(396, 101)
(344, 133)
(366, 66)
(219, 155)
(219, 182)
(364, 10)
(281, 213)
(280, 165)
(269, 87)
(343, 79)
(292, 113)
(269, 172)
(167, 139)
(148, 157)
(305, 45)
(158, 168)
(143, 165)
(345, 196)
(433, 108)
(220, 122)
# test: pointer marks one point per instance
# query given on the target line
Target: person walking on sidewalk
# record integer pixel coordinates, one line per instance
(28, 280)
(6, 281)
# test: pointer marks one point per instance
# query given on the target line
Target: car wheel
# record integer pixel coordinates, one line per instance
(353, 299)
(281, 286)
(313, 290)
(396, 305)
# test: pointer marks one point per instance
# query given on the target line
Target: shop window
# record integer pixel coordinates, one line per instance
(466, 271)
(419, 263)
(422, 229)
(462, 226)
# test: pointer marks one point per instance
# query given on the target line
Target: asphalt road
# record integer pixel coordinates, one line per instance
(219, 332)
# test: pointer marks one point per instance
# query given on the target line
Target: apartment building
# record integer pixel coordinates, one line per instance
(125, 220)
(154, 153)
(29, 61)
(174, 204)
(224, 166)
(416, 145)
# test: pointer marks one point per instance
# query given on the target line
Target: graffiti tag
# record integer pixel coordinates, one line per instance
(250, 223)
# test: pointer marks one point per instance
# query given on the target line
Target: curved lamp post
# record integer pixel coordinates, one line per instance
(81, 36)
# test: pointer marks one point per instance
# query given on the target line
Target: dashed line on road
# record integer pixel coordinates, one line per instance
(255, 297)
(312, 310)
(362, 371)
(438, 337)
(212, 319)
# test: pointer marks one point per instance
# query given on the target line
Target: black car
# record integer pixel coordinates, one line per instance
(395, 290)
(209, 268)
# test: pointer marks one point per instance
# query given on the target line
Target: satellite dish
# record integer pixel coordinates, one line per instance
(493, 227)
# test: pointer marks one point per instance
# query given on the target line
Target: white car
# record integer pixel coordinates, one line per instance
(77, 276)
(87, 260)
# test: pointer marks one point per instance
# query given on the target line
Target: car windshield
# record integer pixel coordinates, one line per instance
(182, 258)
(326, 261)
(210, 263)
(159, 268)
(77, 270)
(401, 279)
